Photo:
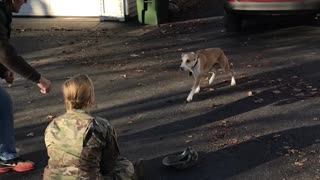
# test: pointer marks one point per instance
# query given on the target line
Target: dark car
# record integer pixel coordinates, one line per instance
(237, 10)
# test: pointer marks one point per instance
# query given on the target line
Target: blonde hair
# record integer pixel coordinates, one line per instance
(78, 92)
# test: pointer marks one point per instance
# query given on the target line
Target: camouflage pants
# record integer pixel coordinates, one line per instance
(123, 170)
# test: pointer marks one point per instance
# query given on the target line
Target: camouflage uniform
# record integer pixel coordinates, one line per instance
(84, 147)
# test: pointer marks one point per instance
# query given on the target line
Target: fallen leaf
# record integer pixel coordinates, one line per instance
(246, 138)
(250, 93)
(139, 70)
(276, 92)
(234, 141)
(223, 123)
(313, 151)
(258, 100)
(271, 81)
(299, 95)
(134, 55)
(313, 93)
(297, 90)
(50, 117)
(292, 151)
(56, 27)
(276, 135)
(298, 163)
(30, 134)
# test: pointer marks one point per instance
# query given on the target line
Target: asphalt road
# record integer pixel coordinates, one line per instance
(273, 134)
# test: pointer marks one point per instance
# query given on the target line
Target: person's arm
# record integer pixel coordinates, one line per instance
(11, 60)
(3, 71)
(110, 152)
(101, 138)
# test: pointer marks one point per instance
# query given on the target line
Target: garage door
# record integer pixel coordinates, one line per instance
(62, 8)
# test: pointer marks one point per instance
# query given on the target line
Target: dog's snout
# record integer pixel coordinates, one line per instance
(181, 68)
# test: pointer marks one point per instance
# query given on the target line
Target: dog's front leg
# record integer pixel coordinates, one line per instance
(194, 88)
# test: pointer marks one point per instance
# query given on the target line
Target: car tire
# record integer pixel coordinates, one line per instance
(232, 22)
(315, 20)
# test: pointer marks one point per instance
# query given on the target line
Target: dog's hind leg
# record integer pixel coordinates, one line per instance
(233, 81)
(197, 90)
(224, 62)
(212, 77)
(195, 86)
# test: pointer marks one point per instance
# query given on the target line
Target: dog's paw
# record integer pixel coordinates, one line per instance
(197, 90)
(233, 82)
(189, 99)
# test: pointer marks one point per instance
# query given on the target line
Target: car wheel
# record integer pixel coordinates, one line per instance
(315, 20)
(232, 22)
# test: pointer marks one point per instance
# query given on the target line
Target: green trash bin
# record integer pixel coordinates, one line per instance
(152, 12)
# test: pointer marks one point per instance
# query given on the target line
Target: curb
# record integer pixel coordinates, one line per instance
(209, 19)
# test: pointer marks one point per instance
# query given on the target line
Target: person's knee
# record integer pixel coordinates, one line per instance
(5, 100)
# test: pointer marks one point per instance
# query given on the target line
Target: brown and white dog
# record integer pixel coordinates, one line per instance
(202, 62)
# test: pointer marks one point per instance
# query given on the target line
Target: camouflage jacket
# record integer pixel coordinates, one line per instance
(80, 147)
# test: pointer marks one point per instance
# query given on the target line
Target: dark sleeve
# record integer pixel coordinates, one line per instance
(101, 139)
(110, 152)
(3, 70)
(10, 59)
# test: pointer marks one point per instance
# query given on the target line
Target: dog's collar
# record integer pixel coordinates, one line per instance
(195, 63)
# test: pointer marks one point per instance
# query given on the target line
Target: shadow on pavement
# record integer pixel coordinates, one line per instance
(238, 158)
(278, 87)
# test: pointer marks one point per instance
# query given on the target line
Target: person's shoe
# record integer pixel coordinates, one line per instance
(17, 165)
(139, 170)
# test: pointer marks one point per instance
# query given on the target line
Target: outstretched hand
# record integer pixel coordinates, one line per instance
(9, 77)
(44, 85)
